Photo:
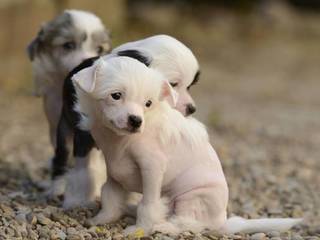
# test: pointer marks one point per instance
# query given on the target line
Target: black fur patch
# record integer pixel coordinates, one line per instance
(59, 161)
(83, 142)
(195, 79)
(136, 55)
(69, 93)
(68, 126)
(32, 48)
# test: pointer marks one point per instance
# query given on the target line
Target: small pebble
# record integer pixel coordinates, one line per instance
(44, 232)
(43, 220)
(7, 211)
(21, 217)
(74, 237)
(117, 236)
(312, 238)
(31, 218)
(258, 236)
(276, 238)
(273, 234)
(71, 231)
(297, 237)
(57, 234)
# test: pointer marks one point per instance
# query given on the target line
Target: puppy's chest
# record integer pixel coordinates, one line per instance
(123, 169)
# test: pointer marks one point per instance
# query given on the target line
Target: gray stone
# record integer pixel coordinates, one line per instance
(31, 218)
(21, 217)
(57, 234)
(71, 231)
(74, 237)
(258, 236)
(44, 233)
(276, 238)
(7, 211)
(297, 237)
(43, 220)
(273, 234)
(312, 238)
(117, 236)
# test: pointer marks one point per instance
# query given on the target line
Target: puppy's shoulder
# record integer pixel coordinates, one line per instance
(173, 127)
(73, 100)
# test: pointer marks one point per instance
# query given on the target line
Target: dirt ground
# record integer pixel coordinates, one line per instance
(259, 97)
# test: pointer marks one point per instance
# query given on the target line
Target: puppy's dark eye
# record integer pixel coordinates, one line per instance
(148, 103)
(174, 84)
(116, 96)
(69, 46)
(100, 50)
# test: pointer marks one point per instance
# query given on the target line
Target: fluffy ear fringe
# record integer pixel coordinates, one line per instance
(168, 93)
(87, 78)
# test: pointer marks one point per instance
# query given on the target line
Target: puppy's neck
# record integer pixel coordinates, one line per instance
(48, 74)
(109, 138)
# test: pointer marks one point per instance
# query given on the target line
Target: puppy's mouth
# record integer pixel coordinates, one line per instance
(126, 130)
(133, 130)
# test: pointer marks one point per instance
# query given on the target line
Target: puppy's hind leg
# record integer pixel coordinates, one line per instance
(113, 199)
(196, 210)
(89, 174)
(60, 158)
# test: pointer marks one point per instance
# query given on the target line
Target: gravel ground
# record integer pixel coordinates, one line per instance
(261, 105)
(269, 153)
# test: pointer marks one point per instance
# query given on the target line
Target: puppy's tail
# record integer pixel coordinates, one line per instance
(239, 224)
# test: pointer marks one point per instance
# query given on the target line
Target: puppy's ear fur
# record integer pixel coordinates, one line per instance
(86, 79)
(168, 93)
(34, 46)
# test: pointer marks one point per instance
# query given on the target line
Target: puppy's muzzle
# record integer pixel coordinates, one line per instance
(134, 121)
(190, 109)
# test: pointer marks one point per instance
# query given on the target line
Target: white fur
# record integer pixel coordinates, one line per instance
(173, 59)
(86, 20)
(84, 182)
(170, 157)
(238, 224)
(88, 23)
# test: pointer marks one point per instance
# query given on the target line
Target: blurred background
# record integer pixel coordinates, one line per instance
(259, 91)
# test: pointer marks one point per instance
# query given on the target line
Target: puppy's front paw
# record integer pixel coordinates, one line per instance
(57, 188)
(134, 231)
(101, 218)
(166, 227)
(90, 222)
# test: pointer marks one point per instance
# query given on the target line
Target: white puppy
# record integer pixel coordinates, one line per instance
(61, 45)
(153, 149)
(163, 53)
(173, 59)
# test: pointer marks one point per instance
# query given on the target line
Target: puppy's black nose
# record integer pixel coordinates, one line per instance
(134, 121)
(190, 109)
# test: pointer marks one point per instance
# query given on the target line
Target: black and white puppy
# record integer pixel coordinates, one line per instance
(60, 46)
(161, 52)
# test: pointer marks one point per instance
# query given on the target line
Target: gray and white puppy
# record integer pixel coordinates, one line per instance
(60, 46)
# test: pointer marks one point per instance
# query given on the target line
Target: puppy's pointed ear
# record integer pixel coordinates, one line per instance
(86, 79)
(168, 93)
(34, 47)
